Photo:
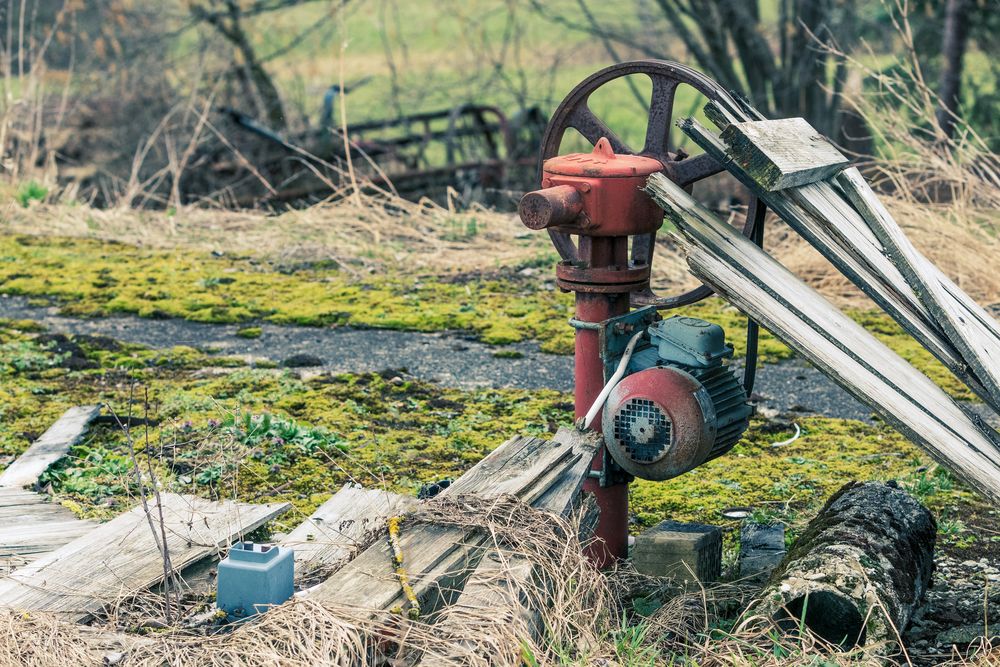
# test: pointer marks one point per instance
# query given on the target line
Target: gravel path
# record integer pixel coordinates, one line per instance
(449, 358)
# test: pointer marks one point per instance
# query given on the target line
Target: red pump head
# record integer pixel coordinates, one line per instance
(594, 194)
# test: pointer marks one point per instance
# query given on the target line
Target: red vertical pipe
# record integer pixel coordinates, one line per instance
(612, 527)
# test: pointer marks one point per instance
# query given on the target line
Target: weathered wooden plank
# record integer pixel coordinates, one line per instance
(495, 592)
(783, 153)
(439, 558)
(30, 526)
(341, 525)
(49, 448)
(766, 291)
(121, 556)
(850, 246)
(966, 323)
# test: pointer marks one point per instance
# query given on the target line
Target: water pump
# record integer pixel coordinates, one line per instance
(675, 403)
(679, 404)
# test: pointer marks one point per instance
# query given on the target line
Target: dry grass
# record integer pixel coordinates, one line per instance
(380, 232)
(374, 231)
(567, 613)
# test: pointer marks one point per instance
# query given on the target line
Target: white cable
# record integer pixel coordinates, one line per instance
(792, 439)
(619, 372)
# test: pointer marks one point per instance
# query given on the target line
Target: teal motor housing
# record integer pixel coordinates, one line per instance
(253, 577)
(680, 403)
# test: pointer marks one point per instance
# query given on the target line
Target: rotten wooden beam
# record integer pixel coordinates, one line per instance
(859, 570)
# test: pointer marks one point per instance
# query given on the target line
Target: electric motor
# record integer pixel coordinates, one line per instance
(680, 404)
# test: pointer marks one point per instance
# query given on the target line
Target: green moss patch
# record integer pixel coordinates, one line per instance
(93, 278)
(267, 435)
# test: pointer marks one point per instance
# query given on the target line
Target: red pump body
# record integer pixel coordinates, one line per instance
(597, 196)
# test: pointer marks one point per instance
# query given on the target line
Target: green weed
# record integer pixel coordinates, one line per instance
(29, 192)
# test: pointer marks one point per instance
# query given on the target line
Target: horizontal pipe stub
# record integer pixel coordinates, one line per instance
(552, 207)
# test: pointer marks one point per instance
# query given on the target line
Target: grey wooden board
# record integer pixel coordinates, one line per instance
(868, 230)
(859, 259)
(783, 153)
(439, 558)
(498, 583)
(973, 331)
(120, 557)
(30, 526)
(335, 531)
(50, 447)
(766, 291)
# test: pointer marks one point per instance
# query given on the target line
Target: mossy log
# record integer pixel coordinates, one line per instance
(860, 569)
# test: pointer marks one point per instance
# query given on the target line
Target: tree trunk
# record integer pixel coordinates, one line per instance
(952, 51)
(858, 572)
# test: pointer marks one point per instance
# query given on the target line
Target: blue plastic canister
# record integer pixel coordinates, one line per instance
(253, 577)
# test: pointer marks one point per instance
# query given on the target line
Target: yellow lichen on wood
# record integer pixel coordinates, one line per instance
(397, 559)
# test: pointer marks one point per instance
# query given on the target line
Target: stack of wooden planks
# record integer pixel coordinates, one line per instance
(439, 559)
(845, 221)
(841, 216)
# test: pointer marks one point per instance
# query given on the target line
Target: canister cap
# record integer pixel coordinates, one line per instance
(602, 163)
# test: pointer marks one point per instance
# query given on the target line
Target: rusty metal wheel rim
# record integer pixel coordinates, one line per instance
(574, 112)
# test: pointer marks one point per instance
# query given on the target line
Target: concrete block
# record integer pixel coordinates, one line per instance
(673, 549)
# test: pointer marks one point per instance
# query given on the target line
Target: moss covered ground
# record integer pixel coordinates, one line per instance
(264, 434)
(93, 278)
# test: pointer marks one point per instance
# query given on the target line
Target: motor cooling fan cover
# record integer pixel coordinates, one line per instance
(659, 423)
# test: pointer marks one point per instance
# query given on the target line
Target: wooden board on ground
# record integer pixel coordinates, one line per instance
(783, 153)
(340, 526)
(49, 448)
(30, 526)
(121, 557)
(766, 291)
(439, 558)
(496, 588)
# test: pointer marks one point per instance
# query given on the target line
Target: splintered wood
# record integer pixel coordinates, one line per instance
(121, 557)
(440, 558)
(766, 291)
(845, 221)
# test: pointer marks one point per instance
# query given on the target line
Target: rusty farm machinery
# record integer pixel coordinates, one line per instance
(469, 152)
(659, 389)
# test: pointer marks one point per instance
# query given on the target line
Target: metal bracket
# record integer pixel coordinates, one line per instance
(610, 474)
(615, 333)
